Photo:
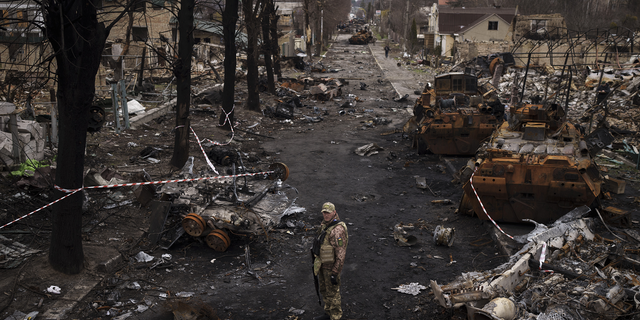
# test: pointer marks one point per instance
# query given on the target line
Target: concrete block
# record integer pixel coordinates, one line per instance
(31, 151)
(6, 160)
(6, 136)
(612, 185)
(34, 128)
(7, 107)
(24, 137)
(40, 143)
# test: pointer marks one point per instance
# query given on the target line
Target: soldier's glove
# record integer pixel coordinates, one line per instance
(334, 280)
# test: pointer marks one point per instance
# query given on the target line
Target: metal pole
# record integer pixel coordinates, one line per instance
(114, 103)
(321, 30)
(566, 108)
(125, 109)
(17, 148)
(54, 118)
(524, 81)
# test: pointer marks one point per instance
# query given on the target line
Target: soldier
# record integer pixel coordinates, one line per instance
(386, 51)
(329, 250)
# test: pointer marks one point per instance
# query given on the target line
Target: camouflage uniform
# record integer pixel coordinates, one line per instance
(338, 238)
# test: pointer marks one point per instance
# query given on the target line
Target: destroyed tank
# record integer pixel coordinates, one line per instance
(455, 116)
(536, 166)
(361, 37)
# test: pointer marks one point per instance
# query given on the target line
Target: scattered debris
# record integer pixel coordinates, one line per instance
(444, 236)
(577, 269)
(368, 150)
(412, 288)
(401, 236)
(54, 289)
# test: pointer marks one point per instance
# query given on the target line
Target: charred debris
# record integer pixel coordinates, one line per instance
(551, 147)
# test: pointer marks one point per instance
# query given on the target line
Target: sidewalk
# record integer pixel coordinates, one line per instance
(403, 80)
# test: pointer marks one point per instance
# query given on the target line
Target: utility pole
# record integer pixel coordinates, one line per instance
(321, 29)
(406, 24)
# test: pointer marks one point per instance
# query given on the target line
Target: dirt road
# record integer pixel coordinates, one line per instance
(372, 194)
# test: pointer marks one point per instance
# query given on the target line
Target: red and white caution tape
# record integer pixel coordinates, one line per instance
(482, 205)
(204, 153)
(544, 244)
(72, 191)
(226, 119)
(34, 211)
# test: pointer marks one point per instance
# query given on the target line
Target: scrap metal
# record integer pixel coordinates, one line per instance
(455, 116)
(582, 272)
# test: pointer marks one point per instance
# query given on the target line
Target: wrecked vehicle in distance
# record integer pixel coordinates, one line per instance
(363, 36)
(455, 116)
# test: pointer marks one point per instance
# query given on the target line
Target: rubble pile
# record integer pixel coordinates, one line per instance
(563, 269)
(29, 134)
(587, 107)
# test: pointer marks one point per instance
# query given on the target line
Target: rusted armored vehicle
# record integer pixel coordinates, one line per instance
(363, 36)
(455, 116)
(535, 166)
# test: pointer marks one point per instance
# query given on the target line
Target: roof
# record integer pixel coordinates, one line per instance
(212, 27)
(455, 20)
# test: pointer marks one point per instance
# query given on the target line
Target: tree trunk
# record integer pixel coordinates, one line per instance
(229, 19)
(182, 72)
(275, 51)
(318, 37)
(307, 28)
(266, 45)
(77, 40)
(251, 24)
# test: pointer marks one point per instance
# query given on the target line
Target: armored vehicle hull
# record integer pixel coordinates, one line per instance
(536, 166)
(455, 117)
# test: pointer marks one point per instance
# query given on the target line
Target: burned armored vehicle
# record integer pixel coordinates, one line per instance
(455, 116)
(363, 36)
(536, 166)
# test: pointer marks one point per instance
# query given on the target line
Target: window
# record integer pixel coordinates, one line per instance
(493, 25)
(538, 26)
(443, 84)
(23, 17)
(139, 33)
(470, 85)
(139, 6)
(457, 84)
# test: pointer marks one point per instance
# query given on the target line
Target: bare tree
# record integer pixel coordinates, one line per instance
(267, 11)
(275, 48)
(182, 72)
(77, 38)
(229, 20)
(251, 13)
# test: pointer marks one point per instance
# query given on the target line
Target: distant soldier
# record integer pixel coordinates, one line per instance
(386, 51)
(329, 250)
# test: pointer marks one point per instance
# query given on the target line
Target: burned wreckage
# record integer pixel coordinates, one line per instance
(211, 207)
(564, 271)
(455, 116)
(535, 166)
(538, 167)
